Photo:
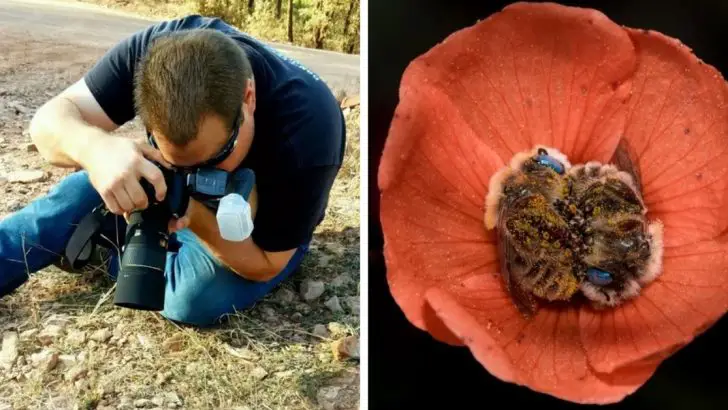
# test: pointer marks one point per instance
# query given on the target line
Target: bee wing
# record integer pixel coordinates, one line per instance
(622, 158)
(514, 266)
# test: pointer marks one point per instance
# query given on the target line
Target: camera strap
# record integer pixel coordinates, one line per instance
(81, 245)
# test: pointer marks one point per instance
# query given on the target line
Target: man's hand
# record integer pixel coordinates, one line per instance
(115, 165)
(179, 224)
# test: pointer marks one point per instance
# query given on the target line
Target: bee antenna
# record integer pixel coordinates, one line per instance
(542, 151)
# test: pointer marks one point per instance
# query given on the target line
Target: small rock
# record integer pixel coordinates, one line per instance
(30, 147)
(9, 350)
(269, 312)
(285, 296)
(126, 400)
(259, 373)
(320, 331)
(296, 317)
(76, 338)
(284, 374)
(333, 304)
(158, 400)
(312, 289)
(28, 334)
(27, 176)
(67, 360)
(303, 308)
(172, 397)
(174, 343)
(341, 280)
(337, 329)
(243, 353)
(347, 347)
(163, 378)
(326, 397)
(353, 303)
(49, 334)
(18, 107)
(172, 405)
(13, 205)
(144, 341)
(350, 101)
(76, 373)
(82, 356)
(3, 180)
(101, 335)
(82, 384)
(140, 403)
(46, 360)
(119, 331)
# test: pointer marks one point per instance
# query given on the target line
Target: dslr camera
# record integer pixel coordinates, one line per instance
(140, 283)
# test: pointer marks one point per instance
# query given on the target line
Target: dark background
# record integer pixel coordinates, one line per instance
(407, 368)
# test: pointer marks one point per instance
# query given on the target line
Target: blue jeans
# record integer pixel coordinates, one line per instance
(199, 289)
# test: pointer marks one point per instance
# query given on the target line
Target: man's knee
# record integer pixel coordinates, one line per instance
(199, 291)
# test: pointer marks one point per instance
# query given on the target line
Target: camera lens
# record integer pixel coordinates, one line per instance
(140, 282)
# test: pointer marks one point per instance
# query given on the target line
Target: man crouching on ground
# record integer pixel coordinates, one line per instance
(208, 96)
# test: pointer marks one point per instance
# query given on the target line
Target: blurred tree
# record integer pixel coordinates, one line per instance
(290, 21)
(322, 24)
(347, 20)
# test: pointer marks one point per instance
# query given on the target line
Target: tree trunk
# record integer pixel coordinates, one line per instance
(251, 6)
(290, 21)
(347, 20)
(278, 9)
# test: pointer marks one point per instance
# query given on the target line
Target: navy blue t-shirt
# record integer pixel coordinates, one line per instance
(299, 138)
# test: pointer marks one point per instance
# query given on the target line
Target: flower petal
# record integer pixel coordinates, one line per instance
(543, 353)
(678, 131)
(433, 179)
(687, 298)
(538, 74)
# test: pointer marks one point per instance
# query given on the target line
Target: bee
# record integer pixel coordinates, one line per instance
(566, 230)
(525, 204)
(623, 249)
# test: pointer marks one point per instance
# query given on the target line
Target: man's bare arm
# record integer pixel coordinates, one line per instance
(73, 131)
(65, 127)
(244, 258)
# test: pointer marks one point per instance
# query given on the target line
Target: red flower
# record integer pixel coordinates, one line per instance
(571, 79)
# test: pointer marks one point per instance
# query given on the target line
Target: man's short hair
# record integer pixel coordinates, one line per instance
(186, 75)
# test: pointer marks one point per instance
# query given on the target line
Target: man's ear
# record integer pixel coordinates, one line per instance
(249, 97)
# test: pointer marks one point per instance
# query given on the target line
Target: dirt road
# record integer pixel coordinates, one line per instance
(91, 26)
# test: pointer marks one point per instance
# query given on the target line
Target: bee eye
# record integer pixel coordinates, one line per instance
(598, 277)
(551, 162)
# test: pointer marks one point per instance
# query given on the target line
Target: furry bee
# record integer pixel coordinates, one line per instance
(525, 204)
(623, 249)
(564, 230)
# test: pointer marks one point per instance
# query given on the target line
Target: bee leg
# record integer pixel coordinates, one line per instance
(524, 300)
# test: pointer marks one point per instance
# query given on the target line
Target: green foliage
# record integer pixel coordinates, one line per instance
(322, 24)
